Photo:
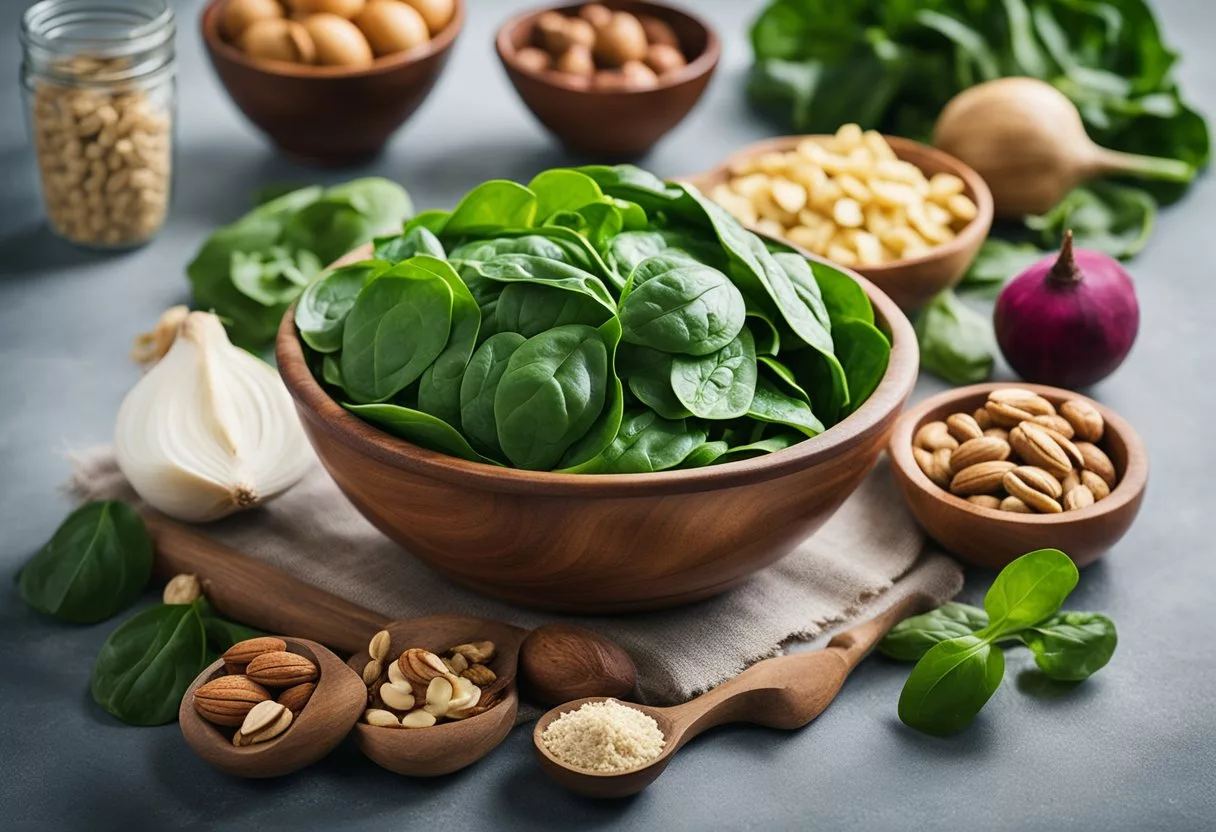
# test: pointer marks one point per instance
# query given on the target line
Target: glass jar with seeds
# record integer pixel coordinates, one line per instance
(98, 77)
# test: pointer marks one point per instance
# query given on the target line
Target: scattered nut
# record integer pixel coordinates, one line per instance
(1095, 460)
(999, 433)
(1035, 446)
(980, 449)
(576, 60)
(982, 418)
(242, 653)
(1057, 424)
(260, 716)
(1015, 505)
(391, 26)
(381, 718)
(479, 675)
(1078, 498)
(237, 15)
(182, 589)
(418, 719)
(338, 42)
(664, 59)
(456, 664)
(227, 700)
(1085, 419)
(281, 669)
(620, 40)
(1096, 485)
(984, 500)
(380, 645)
(1034, 487)
(481, 652)
(397, 697)
(421, 666)
(372, 671)
(534, 60)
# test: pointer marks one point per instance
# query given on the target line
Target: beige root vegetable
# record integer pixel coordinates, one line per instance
(342, 8)
(620, 40)
(238, 15)
(275, 39)
(391, 26)
(1027, 140)
(338, 41)
(437, 13)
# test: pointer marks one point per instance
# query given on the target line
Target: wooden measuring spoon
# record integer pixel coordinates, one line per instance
(784, 692)
(334, 706)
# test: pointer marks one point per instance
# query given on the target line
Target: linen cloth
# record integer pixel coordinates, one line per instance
(867, 556)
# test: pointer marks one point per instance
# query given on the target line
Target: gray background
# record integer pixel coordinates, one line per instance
(1134, 748)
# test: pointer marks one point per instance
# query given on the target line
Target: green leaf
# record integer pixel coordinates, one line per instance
(95, 565)
(707, 453)
(863, 352)
(145, 665)
(911, 638)
(479, 385)
(648, 374)
(492, 205)
(1028, 590)
(439, 387)
(533, 308)
(383, 203)
(322, 310)
(417, 241)
(956, 342)
(645, 443)
(328, 228)
(950, 684)
(608, 423)
(677, 305)
(563, 189)
(771, 405)
(1072, 646)
(720, 385)
(418, 427)
(1114, 219)
(997, 263)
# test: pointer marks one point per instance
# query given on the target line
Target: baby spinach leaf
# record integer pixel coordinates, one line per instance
(771, 405)
(418, 427)
(950, 684)
(532, 308)
(634, 184)
(322, 309)
(843, 297)
(911, 638)
(96, 564)
(720, 385)
(399, 324)
(646, 442)
(439, 387)
(863, 351)
(707, 453)
(677, 305)
(329, 228)
(563, 189)
(648, 374)
(1028, 590)
(432, 220)
(479, 385)
(550, 395)
(492, 205)
(1103, 216)
(383, 203)
(507, 268)
(145, 665)
(760, 447)
(998, 262)
(765, 333)
(331, 371)
(605, 427)
(402, 247)
(482, 250)
(956, 342)
(1072, 646)
(783, 374)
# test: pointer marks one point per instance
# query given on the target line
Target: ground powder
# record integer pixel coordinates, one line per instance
(604, 736)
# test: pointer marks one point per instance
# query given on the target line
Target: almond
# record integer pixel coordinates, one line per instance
(271, 726)
(984, 501)
(421, 666)
(295, 698)
(981, 478)
(980, 449)
(1066, 445)
(457, 664)
(1096, 485)
(243, 652)
(1019, 484)
(1022, 399)
(963, 427)
(1095, 459)
(1015, 505)
(1057, 423)
(226, 700)
(397, 697)
(1078, 498)
(999, 433)
(929, 463)
(933, 436)
(1035, 446)
(280, 669)
(480, 675)
(418, 719)
(439, 695)
(1071, 480)
(372, 671)
(1086, 421)
(1040, 480)
(182, 589)
(380, 645)
(260, 716)
(982, 418)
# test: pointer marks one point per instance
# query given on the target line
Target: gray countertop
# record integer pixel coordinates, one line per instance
(1132, 749)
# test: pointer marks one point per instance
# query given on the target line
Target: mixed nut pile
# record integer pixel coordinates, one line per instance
(419, 688)
(346, 33)
(243, 698)
(1019, 453)
(847, 197)
(604, 49)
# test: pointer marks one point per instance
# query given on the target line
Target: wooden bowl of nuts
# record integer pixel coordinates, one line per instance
(905, 215)
(609, 79)
(330, 81)
(993, 471)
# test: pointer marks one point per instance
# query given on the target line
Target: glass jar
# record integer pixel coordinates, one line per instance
(98, 80)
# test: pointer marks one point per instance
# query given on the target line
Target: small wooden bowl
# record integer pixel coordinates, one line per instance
(609, 123)
(913, 282)
(328, 115)
(600, 542)
(992, 538)
(449, 746)
(336, 704)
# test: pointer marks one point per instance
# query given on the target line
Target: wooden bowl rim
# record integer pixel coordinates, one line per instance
(1125, 493)
(341, 425)
(702, 65)
(973, 234)
(440, 43)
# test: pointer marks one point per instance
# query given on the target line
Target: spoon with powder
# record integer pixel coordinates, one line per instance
(784, 692)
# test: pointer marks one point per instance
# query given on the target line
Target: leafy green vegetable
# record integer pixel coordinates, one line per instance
(959, 663)
(519, 327)
(956, 342)
(996, 264)
(250, 271)
(95, 565)
(1105, 216)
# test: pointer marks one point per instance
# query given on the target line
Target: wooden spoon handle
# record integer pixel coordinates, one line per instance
(789, 691)
(255, 593)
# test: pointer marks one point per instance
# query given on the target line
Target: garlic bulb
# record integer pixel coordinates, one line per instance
(210, 429)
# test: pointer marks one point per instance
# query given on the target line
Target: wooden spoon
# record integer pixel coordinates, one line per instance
(335, 704)
(784, 692)
(253, 592)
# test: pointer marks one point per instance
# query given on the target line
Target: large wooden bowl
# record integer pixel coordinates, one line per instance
(600, 543)
(614, 124)
(323, 114)
(992, 538)
(914, 281)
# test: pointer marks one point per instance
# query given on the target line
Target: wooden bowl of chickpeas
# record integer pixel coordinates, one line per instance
(609, 79)
(329, 81)
(907, 216)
